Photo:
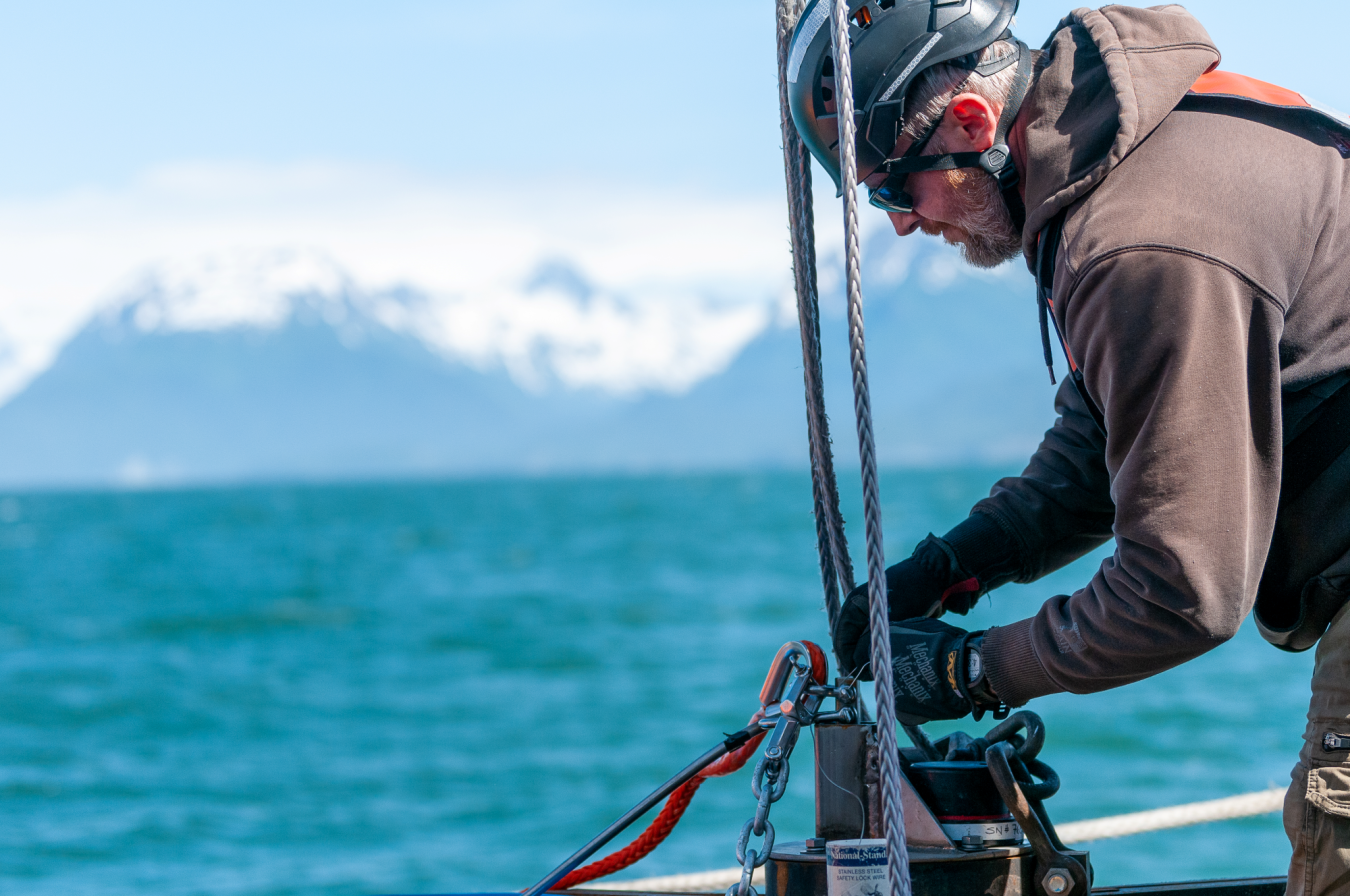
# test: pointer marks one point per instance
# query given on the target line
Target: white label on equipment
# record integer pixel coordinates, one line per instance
(856, 868)
(988, 831)
(804, 38)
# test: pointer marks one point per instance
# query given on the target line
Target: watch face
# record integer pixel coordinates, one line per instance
(974, 667)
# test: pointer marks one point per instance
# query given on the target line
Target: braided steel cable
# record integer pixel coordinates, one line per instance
(836, 569)
(879, 616)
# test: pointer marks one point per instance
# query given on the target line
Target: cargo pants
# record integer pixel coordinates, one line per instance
(1317, 806)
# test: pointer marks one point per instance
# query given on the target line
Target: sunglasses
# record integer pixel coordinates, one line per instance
(890, 195)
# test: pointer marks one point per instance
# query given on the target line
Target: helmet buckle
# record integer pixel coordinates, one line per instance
(997, 160)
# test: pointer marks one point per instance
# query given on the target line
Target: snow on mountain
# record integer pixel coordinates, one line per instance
(560, 328)
(606, 285)
(260, 290)
(280, 364)
(412, 332)
(555, 328)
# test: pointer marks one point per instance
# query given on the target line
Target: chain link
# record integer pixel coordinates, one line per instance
(743, 842)
(743, 887)
(768, 785)
(774, 772)
(762, 813)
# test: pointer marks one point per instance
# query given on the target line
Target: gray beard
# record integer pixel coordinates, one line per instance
(991, 236)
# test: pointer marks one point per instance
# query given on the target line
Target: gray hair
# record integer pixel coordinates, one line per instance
(934, 90)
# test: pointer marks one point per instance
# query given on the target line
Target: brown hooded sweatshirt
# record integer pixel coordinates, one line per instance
(1203, 287)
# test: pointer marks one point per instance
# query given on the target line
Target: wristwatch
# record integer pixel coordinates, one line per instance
(977, 682)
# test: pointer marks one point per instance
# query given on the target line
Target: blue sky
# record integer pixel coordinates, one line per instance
(525, 92)
(449, 145)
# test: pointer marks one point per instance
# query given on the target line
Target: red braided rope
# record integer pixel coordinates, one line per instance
(664, 822)
(675, 806)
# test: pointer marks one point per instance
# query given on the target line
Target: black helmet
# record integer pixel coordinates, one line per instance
(893, 42)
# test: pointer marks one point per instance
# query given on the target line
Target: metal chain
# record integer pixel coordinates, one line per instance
(879, 619)
(768, 785)
(836, 569)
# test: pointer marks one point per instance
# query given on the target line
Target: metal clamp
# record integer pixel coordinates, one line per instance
(791, 657)
(1065, 874)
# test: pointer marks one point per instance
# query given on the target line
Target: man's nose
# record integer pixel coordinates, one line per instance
(904, 224)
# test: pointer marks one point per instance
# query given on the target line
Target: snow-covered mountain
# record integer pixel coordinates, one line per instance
(552, 327)
(279, 364)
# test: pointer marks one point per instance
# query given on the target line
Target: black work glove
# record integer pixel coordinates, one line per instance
(930, 662)
(929, 583)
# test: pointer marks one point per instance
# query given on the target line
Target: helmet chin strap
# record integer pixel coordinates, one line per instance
(997, 159)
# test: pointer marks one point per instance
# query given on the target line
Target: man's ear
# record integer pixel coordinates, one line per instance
(971, 122)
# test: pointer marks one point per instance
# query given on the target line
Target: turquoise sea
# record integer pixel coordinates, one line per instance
(447, 686)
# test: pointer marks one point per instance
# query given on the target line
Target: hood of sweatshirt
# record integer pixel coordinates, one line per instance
(1108, 78)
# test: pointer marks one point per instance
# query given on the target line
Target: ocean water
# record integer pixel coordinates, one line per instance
(447, 687)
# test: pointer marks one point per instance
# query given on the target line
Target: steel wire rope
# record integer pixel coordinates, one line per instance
(878, 616)
(836, 569)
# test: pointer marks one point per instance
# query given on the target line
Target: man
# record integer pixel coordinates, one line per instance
(1190, 233)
